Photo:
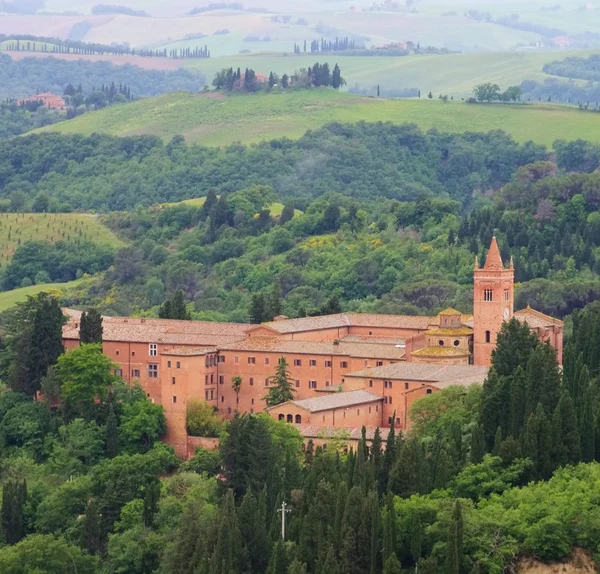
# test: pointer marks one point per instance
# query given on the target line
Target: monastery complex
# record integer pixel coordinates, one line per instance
(350, 370)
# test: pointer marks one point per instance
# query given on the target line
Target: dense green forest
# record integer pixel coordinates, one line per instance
(24, 78)
(384, 218)
(16, 120)
(487, 475)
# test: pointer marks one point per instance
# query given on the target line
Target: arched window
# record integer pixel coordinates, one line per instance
(428, 391)
(281, 417)
(488, 337)
(298, 419)
(290, 418)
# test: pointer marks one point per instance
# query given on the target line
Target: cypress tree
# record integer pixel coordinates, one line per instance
(340, 509)
(297, 567)
(416, 539)
(175, 308)
(91, 531)
(375, 528)
(427, 565)
(389, 539)
(518, 389)
(330, 564)
(229, 555)
(14, 496)
(389, 458)
(568, 446)
(275, 301)
(90, 328)
(151, 498)
(477, 445)
(355, 534)
(254, 532)
(497, 441)
(209, 203)
(543, 379)
(392, 565)
(258, 312)
(288, 211)
(454, 545)
(112, 434)
(279, 560)
(359, 477)
(587, 430)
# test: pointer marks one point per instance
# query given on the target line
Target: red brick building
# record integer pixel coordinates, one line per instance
(348, 370)
(49, 100)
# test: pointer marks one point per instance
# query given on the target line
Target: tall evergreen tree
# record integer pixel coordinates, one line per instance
(254, 533)
(229, 555)
(287, 213)
(454, 544)
(275, 302)
(477, 445)
(567, 449)
(209, 203)
(330, 564)
(279, 560)
(91, 531)
(258, 312)
(389, 537)
(112, 434)
(90, 328)
(355, 534)
(586, 427)
(175, 308)
(151, 498)
(14, 497)
(543, 379)
(281, 389)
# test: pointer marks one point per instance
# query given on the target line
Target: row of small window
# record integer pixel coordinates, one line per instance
(488, 295)
(298, 362)
(388, 384)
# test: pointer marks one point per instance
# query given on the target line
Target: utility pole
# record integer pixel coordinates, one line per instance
(283, 511)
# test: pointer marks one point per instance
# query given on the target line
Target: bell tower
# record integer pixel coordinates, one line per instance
(493, 303)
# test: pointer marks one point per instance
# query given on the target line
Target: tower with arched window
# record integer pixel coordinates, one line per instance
(493, 303)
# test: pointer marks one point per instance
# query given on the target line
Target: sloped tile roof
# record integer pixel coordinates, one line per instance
(536, 319)
(427, 373)
(336, 401)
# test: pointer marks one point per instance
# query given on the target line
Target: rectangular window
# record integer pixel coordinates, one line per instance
(251, 381)
(212, 378)
(119, 372)
(390, 400)
(252, 402)
(328, 363)
(205, 395)
(379, 363)
(168, 364)
(153, 371)
(385, 384)
(174, 399)
(506, 295)
(297, 362)
(313, 363)
(221, 358)
(327, 383)
(135, 373)
(487, 294)
(406, 386)
(221, 379)
(312, 384)
(153, 349)
(297, 384)
(236, 360)
(370, 383)
(117, 353)
(206, 379)
(267, 381)
(369, 410)
(344, 364)
(390, 384)
(133, 353)
(251, 360)
(267, 360)
(178, 365)
(212, 394)
(173, 380)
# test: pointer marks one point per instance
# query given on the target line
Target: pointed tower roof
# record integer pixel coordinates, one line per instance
(493, 261)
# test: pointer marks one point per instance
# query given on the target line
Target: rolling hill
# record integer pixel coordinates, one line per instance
(10, 298)
(17, 228)
(214, 119)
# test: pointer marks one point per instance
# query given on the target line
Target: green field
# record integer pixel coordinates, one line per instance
(17, 228)
(212, 121)
(452, 74)
(10, 298)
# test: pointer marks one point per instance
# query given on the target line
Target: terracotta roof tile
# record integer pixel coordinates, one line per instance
(287, 346)
(347, 320)
(536, 319)
(427, 373)
(335, 401)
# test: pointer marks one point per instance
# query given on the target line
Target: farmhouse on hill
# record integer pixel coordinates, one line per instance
(49, 100)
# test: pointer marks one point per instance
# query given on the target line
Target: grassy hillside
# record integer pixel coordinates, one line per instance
(215, 120)
(453, 74)
(17, 228)
(10, 298)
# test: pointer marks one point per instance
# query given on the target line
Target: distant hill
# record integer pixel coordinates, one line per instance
(214, 119)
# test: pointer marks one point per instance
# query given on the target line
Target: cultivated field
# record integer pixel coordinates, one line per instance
(17, 228)
(253, 118)
(453, 74)
(10, 298)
